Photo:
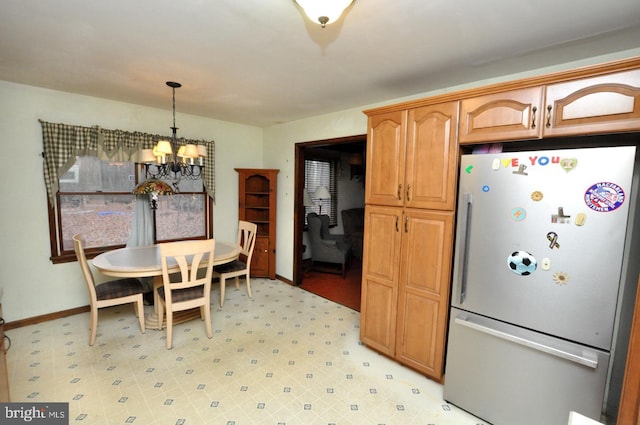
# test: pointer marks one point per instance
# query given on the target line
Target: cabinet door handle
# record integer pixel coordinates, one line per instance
(408, 193)
(533, 117)
(397, 224)
(548, 124)
(400, 192)
(406, 224)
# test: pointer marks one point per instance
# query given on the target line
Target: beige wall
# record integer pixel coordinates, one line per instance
(31, 285)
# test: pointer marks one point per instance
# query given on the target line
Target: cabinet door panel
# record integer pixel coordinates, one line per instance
(417, 345)
(431, 157)
(377, 326)
(260, 259)
(382, 238)
(605, 104)
(385, 159)
(423, 290)
(511, 115)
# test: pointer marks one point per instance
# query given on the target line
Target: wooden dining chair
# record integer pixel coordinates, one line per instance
(189, 286)
(242, 266)
(107, 294)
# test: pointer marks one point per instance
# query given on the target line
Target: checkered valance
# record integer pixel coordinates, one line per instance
(63, 142)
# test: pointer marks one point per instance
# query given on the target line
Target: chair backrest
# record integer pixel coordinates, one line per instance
(189, 257)
(78, 247)
(315, 231)
(322, 222)
(247, 239)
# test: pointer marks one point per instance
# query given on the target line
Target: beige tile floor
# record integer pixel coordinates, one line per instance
(285, 357)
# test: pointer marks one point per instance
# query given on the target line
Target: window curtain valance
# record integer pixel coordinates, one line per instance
(63, 142)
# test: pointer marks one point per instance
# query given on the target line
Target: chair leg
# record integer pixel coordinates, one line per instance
(169, 330)
(140, 311)
(248, 285)
(93, 325)
(207, 320)
(222, 288)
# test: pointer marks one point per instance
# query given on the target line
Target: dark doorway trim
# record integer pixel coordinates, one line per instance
(298, 208)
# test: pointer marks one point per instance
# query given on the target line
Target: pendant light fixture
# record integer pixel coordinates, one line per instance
(168, 160)
(324, 12)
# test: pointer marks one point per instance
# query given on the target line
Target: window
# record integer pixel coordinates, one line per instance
(95, 199)
(317, 173)
(90, 173)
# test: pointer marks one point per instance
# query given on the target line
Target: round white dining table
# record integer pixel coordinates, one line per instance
(144, 261)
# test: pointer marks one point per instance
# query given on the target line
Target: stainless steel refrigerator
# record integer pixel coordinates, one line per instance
(540, 248)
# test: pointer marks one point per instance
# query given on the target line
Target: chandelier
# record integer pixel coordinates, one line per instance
(324, 11)
(168, 160)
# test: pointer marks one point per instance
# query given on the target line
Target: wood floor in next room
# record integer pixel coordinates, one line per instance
(342, 290)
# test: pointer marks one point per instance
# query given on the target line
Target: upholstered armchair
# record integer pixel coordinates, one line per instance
(353, 225)
(326, 247)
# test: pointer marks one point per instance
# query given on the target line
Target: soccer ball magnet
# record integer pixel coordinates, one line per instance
(522, 263)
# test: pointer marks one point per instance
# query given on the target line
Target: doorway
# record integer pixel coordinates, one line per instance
(304, 150)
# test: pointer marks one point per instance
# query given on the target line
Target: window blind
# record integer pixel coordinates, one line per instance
(319, 173)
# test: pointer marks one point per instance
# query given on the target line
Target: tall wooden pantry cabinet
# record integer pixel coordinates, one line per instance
(408, 241)
(257, 204)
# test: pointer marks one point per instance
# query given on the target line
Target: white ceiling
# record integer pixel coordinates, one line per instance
(262, 62)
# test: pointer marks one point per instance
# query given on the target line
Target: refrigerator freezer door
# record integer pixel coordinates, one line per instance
(540, 239)
(507, 375)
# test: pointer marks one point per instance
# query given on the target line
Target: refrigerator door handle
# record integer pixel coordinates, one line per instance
(462, 257)
(589, 362)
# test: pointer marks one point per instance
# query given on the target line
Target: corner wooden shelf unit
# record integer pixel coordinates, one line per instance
(257, 204)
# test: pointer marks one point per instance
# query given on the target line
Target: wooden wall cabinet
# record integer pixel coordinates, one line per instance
(408, 238)
(412, 157)
(257, 203)
(510, 115)
(386, 149)
(607, 103)
(604, 104)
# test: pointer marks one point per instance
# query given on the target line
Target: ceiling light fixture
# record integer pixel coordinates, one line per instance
(324, 11)
(171, 161)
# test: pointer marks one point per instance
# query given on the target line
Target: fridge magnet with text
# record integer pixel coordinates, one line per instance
(581, 218)
(518, 214)
(560, 218)
(560, 278)
(604, 197)
(552, 237)
(522, 263)
(568, 164)
(537, 195)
